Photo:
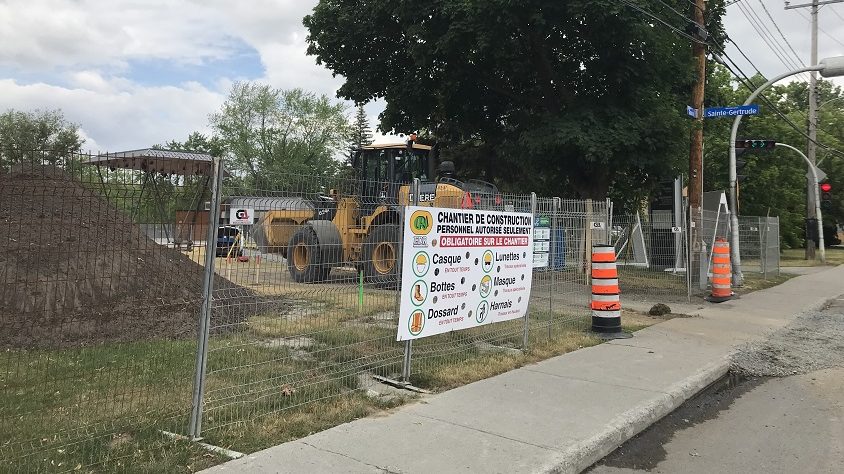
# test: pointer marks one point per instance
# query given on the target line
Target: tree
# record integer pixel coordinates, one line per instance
(36, 136)
(198, 143)
(539, 86)
(361, 133)
(267, 132)
(775, 181)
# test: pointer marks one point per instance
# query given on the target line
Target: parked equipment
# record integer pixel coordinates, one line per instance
(363, 229)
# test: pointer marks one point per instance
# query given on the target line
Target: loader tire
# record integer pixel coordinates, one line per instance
(305, 259)
(380, 254)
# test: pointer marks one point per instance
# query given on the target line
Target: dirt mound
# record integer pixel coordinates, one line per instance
(76, 271)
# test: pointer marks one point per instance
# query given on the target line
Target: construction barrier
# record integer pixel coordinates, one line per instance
(721, 271)
(606, 300)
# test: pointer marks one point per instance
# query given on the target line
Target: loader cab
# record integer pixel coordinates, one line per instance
(383, 169)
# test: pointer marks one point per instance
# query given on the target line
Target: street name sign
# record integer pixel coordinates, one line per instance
(717, 112)
(462, 269)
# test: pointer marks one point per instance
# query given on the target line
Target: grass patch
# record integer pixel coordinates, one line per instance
(97, 406)
(647, 281)
(277, 379)
(250, 435)
(757, 281)
(795, 257)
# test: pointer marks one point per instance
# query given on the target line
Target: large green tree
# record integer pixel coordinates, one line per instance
(266, 131)
(575, 95)
(775, 181)
(36, 136)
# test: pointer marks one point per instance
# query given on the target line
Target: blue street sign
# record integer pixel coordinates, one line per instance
(691, 111)
(718, 112)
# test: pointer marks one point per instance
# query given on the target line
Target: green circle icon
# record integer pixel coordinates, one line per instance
(486, 286)
(418, 293)
(421, 263)
(482, 312)
(487, 261)
(416, 322)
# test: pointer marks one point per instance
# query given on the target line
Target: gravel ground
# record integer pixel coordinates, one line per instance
(813, 341)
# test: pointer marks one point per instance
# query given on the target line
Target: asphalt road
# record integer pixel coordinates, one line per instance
(792, 424)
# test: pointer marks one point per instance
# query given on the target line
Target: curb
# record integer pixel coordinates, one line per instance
(584, 454)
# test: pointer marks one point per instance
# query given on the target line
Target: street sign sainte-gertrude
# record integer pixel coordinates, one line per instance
(717, 112)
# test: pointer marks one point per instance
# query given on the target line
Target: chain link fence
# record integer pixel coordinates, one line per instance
(137, 302)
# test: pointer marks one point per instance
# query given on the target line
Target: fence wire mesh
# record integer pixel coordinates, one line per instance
(98, 316)
(101, 320)
(651, 256)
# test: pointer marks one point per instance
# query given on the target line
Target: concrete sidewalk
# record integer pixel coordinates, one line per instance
(560, 415)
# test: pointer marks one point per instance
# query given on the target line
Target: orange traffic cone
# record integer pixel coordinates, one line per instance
(606, 299)
(721, 272)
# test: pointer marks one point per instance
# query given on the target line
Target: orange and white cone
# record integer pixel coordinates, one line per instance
(606, 296)
(721, 272)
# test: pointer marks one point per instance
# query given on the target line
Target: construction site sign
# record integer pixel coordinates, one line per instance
(241, 216)
(463, 269)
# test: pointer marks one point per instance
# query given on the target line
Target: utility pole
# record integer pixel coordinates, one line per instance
(695, 188)
(811, 150)
(811, 145)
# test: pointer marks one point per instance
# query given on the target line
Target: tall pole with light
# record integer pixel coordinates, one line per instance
(828, 67)
(814, 171)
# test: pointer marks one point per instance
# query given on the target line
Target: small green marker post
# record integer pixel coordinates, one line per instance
(360, 293)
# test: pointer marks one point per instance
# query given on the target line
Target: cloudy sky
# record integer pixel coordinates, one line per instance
(137, 72)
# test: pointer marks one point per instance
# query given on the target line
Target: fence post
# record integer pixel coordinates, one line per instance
(527, 312)
(552, 256)
(779, 247)
(207, 296)
(763, 247)
(408, 345)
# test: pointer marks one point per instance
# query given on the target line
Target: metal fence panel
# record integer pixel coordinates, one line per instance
(98, 316)
(105, 343)
(651, 256)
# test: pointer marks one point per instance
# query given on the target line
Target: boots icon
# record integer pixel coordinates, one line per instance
(417, 293)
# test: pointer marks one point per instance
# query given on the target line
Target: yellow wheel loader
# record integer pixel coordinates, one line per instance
(362, 229)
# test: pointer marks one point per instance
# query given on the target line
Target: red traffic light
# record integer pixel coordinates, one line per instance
(826, 187)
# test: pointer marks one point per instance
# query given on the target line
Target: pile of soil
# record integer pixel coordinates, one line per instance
(76, 271)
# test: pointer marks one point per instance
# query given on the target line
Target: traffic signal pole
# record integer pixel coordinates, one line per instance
(811, 144)
(735, 256)
(814, 170)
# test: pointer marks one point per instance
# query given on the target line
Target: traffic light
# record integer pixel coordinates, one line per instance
(826, 195)
(740, 164)
(756, 144)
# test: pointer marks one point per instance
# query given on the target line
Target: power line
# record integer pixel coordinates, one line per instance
(780, 32)
(742, 78)
(745, 81)
(668, 25)
(762, 24)
(770, 43)
(820, 29)
(833, 10)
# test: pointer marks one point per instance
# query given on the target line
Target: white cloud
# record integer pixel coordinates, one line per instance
(82, 50)
(120, 115)
(76, 55)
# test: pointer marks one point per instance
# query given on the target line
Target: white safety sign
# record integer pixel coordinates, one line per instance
(463, 269)
(241, 216)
